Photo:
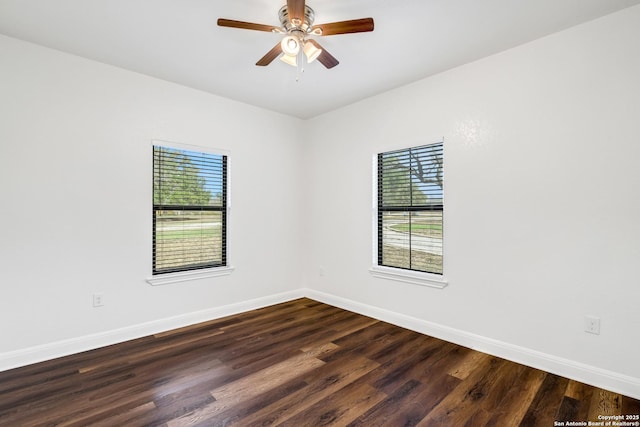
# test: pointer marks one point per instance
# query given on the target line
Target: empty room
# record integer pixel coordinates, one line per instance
(320, 212)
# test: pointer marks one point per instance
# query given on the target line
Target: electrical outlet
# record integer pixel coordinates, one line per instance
(592, 325)
(98, 300)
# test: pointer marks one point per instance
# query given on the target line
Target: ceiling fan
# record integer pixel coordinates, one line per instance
(296, 19)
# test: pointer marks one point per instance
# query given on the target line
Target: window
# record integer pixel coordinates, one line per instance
(410, 208)
(189, 210)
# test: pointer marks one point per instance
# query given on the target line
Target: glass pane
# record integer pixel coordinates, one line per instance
(395, 239)
(396, 180)
(426, 241)
(411, 177)
(412, 240)
(188, 238)
(187, 178)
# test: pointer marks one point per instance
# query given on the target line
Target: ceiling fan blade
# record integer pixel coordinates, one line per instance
(246, 25)
(344, 27)
(325, 57)
(270, 56)
(296, 9)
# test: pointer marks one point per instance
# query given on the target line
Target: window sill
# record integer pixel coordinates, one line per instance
(406, 276)
(169, 278)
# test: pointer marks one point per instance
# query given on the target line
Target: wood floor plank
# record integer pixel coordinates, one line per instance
(459, 405)
(496, 390)
(582, 394)
(285, 340)
(480, 418)
(183, 402)
(630, 406)
(339, 408)
(235, 414)
(419, 357)
(605, 402)
(544, 408)
(269, 377)
(155, 351)
(379, 414)
(463, 369)
(367, 341)
(409, 404)
(297, 363)
(440, 363)
(322, 383)
(134, 416)
(568, 409)
(88, 405)
(348, 328)
(252, 385)
(515, 404)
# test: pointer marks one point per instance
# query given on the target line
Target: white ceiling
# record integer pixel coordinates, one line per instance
(179, 41)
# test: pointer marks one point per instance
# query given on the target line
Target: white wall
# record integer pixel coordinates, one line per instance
(542, 205)
(75, 204)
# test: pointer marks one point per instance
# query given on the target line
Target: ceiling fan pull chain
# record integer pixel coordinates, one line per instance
(300, 67)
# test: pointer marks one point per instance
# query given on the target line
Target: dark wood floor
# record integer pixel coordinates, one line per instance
(300, 363)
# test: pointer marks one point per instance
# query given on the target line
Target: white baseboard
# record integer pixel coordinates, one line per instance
(40, 353)
(602, 378)
(608, 380)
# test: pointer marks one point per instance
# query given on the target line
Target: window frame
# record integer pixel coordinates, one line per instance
(197, 272)
(405, 275)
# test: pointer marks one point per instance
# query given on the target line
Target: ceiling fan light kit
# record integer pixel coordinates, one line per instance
(296, 20)
(290, 45)
(311, 52)
(290, 59)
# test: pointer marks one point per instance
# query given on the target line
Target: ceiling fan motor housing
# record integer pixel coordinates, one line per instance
(295, 24)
